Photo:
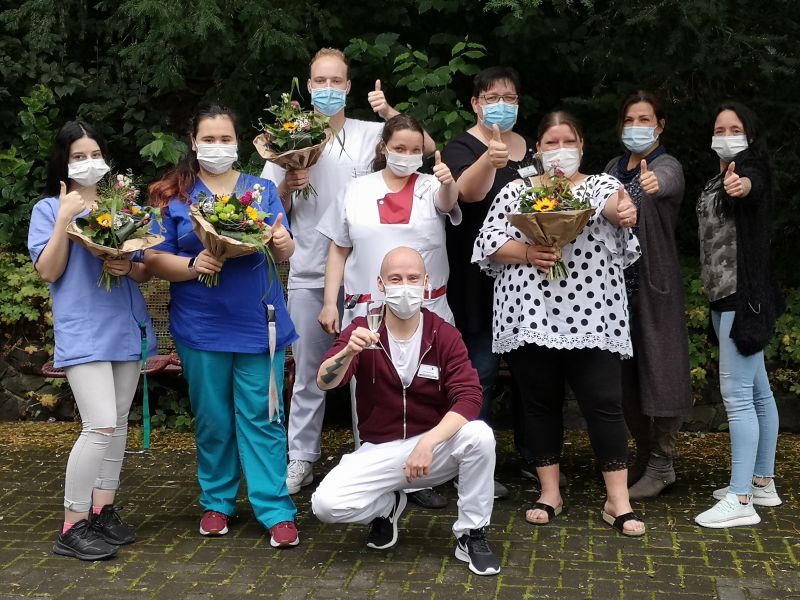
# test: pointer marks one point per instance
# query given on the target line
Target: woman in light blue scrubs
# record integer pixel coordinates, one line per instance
(100, 337)
(223, 333)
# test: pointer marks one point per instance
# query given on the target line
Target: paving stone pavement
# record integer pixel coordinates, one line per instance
(577, 556)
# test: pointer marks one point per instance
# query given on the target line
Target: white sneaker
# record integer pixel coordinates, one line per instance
(762, 496)
(728, 512)
(301, 473)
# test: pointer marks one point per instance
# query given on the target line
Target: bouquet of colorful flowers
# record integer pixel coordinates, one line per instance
(294, 138)
(230, 226)
(551, 215)
(117, 225)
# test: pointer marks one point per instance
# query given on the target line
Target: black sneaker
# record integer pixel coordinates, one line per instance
(83, 542)
(383, 530)
(427, 498)
(111, 528)
(472, 548)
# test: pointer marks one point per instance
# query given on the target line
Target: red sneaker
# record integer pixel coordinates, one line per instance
(284, 535)
(213, 523)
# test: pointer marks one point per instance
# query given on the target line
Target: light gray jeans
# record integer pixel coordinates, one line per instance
(103, 392)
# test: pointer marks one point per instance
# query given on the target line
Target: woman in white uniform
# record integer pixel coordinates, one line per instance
(393, 206)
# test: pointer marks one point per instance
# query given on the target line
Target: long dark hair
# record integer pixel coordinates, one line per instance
(57, 169)
(180, 180)
(396, 123)
(641, 96)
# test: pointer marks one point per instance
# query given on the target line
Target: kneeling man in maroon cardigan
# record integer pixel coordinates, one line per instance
(418, 398)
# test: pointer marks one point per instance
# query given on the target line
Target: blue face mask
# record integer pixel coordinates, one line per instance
(638, 139)
(501, 114)
(328, 101)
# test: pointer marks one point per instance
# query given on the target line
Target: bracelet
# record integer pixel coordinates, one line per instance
(191, 263)
(129, 268)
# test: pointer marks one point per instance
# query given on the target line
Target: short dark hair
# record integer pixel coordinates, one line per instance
(640, 96)
(558, 117)
(58, 169)
(488, 77)
(396, 123)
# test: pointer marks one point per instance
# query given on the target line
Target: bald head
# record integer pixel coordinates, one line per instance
(402, 266)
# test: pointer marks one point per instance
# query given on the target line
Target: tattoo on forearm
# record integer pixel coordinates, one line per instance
(331, 371)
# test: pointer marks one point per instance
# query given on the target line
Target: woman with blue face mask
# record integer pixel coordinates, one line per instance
(98, 342)
(733, 220)
(657, 392)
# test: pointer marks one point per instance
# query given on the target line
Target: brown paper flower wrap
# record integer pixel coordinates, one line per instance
(291, 160)
(128, 247)
(221, 245)
(555, 228)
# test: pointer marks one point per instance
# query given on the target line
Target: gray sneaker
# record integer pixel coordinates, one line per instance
(301, 473)
(762, 496)
(728, 512)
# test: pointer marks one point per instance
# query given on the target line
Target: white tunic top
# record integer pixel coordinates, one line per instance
(587, 309)
(358, 220)
(336, 168)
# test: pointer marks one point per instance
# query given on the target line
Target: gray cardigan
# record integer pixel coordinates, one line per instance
(660, 340)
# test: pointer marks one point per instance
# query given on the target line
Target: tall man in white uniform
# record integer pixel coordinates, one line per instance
(344, 159)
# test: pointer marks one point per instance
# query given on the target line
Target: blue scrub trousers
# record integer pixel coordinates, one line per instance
(228, 392)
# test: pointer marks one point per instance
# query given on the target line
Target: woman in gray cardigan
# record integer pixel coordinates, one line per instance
(657, 391)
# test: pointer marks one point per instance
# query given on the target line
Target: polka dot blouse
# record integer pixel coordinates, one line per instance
(587, 309)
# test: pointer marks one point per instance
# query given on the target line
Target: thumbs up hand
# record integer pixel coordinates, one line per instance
(377, 101)
(441, 170)
(497, 149)
(626, 209)
(648, 180)
(281, 240)
(733, 184)
(71, 203)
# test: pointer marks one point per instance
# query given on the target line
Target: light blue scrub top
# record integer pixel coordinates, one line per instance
(90, 324)
(231, 317)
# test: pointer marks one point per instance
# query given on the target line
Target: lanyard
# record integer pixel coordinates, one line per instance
(274, 406)
(145, 397)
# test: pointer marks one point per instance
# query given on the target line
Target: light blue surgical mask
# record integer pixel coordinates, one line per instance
(328, 100)
(501, 114)
(638, 139)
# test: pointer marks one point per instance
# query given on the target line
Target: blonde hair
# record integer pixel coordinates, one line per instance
(336, 53)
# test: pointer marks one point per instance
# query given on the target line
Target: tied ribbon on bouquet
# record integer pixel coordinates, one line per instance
(116, 226)
(230, 226)
(551, 215)
(294, 138)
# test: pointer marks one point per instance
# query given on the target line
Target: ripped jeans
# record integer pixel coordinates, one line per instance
(103, 392)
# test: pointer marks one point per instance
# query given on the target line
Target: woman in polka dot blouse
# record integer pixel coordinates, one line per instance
(573, 329)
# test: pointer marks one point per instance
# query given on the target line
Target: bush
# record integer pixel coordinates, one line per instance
(25, 307)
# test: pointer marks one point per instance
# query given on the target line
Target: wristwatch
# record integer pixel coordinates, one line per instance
(191, 263)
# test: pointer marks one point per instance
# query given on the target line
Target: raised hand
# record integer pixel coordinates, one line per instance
(281, 240)
(441, 170)
(732, 183)
(71, 203)
(648, 180)
(377, 101)
(497, 150)
(361, 338)
(626, 209)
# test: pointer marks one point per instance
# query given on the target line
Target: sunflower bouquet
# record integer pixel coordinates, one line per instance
(230, 226)
(293, 138)
(550, 214)
(117, 225)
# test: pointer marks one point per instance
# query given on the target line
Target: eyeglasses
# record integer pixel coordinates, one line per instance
(495, 98)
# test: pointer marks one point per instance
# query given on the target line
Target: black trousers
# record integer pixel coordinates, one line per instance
(595, 376)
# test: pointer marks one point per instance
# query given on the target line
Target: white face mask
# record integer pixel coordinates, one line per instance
(728, 146)
(404, 300)
(403, 165)
(87, 172)
(217, 158)
(566, 160)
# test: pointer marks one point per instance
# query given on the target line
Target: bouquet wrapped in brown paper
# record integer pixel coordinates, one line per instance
(231, 226)
(550, 215)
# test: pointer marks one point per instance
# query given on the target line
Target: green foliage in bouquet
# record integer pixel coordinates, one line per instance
(293, 128)
(552, 194)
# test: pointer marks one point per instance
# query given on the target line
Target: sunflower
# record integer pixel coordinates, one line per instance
(104, 220)
(290, 126)
(223, 199)
(251, 213)
(545, 204)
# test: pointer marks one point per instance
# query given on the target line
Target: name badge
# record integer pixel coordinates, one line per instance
(429, 371)
(526, 172)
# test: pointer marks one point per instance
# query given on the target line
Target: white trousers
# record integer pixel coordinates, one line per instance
(308, 401)
(361, 487)
(103, 392)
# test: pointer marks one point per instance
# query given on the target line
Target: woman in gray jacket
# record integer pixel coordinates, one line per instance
(657, 392)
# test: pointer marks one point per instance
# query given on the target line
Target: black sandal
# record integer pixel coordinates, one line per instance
(552, 512)
(619, 522)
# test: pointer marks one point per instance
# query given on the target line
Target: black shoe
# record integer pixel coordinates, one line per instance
(383, 530)
(500, 491)
(83, 542)
(472, 548)
(428, 498)
(111, 528)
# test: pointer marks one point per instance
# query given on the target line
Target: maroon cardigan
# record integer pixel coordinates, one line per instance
(386, 410)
